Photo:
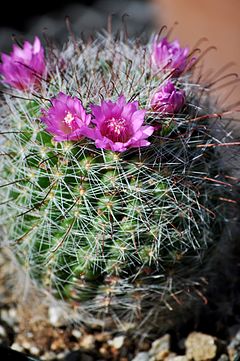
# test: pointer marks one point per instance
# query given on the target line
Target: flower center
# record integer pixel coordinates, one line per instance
(116, 130)
(68, 119)
(69, 123)
(116, 125)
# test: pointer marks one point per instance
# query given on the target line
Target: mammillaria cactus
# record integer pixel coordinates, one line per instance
(110, 186)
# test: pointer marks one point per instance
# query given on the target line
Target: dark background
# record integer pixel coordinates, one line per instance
(26, 19)
(17, 14)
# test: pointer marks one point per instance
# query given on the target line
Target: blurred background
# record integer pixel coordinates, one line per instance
(218, 21)
(86, 16)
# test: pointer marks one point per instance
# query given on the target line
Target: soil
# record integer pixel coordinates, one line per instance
(33, 335)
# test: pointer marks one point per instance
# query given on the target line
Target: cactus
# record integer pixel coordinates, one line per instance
(122, 234)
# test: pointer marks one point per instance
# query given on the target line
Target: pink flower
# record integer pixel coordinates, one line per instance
(169, 56)
(24, 67)
(168, 99)
(66, 118)
(119, 126)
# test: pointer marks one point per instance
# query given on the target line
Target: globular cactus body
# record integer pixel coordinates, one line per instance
(115, 232)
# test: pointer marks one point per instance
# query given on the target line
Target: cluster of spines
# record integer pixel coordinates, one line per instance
(97, 213)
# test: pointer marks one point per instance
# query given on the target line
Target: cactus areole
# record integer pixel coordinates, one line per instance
(110, 189)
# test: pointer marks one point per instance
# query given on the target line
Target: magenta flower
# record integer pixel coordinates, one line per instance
(24, 67)
(119, 126)
(168, 99)
(169, 56)
(66, 118)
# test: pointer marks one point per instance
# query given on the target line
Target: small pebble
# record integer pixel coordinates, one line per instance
(141, 356)
(34, 351)
(2, 331)
(234, 347)
(13, 314)
(88, 342)
(177, 358)
(48, 356)
(160, 348)
(16, 329)
(117, 342)
(16, 347)
(171, 356)
(61, 355)
(201, 347)
(9, 316)
(26, 345)
(77, 334)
